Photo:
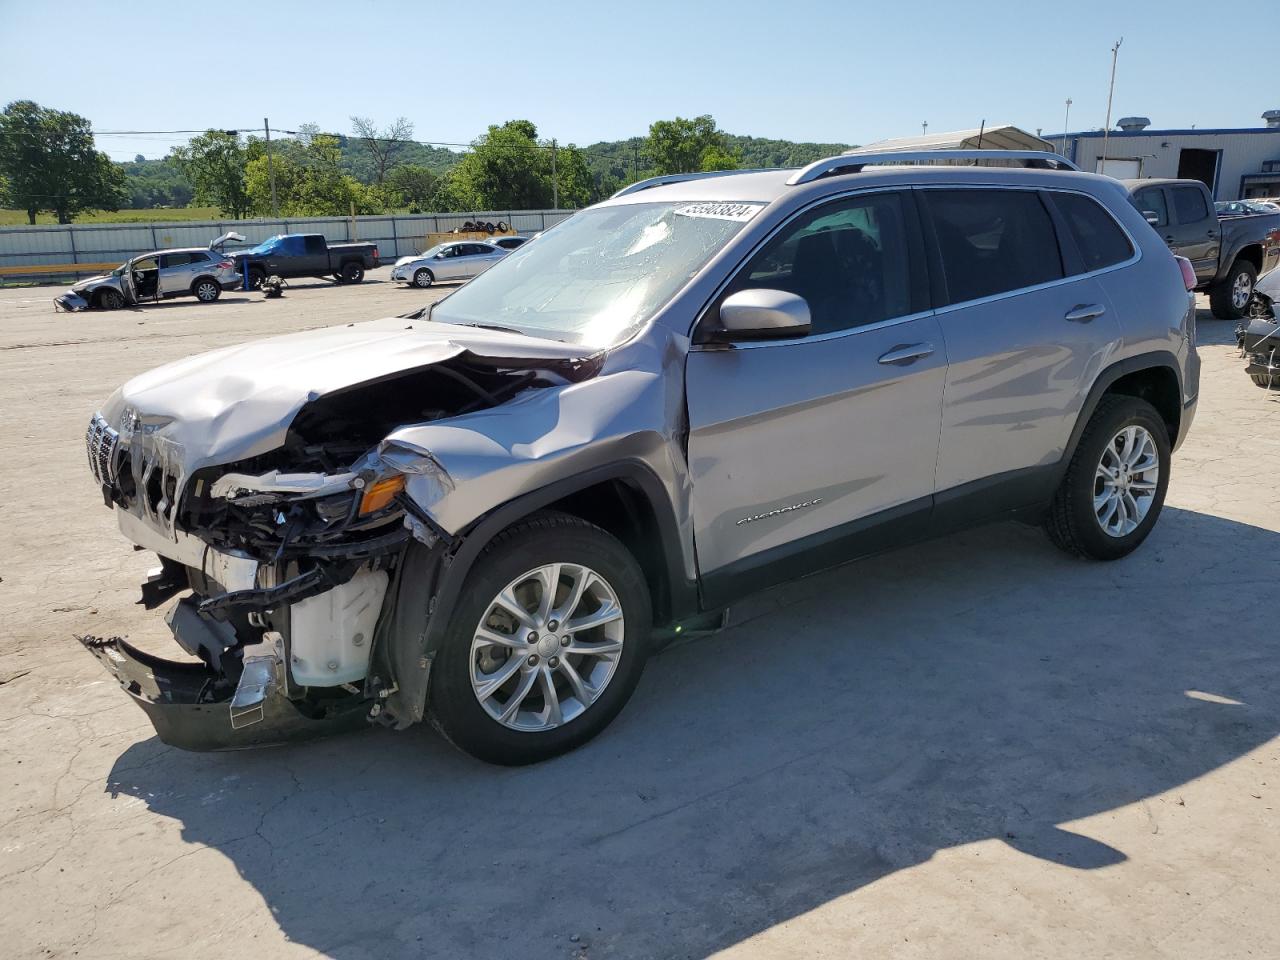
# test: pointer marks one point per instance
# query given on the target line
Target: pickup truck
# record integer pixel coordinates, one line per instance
(306, 255)
(1229, 254)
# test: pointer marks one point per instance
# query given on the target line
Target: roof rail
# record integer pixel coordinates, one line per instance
(680, 178)
(854, 162)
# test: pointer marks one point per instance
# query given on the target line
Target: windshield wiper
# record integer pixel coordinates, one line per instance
(492, 326)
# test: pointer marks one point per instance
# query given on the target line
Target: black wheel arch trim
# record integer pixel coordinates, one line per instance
(683, 592)
(1106, 379)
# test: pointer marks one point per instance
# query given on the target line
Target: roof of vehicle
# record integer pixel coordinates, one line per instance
(156, 253)
(1132, 185)
(766, 186)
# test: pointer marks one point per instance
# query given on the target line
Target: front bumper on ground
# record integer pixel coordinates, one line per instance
(190, 708)
(71, 301)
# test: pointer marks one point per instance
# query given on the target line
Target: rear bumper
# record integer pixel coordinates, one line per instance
(190, 706)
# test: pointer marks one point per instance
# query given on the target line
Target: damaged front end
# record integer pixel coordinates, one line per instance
(291, 564)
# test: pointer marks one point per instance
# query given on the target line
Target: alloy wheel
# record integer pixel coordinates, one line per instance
(206, 292)
(1125, 482)
(547, 647)
(1241, 290)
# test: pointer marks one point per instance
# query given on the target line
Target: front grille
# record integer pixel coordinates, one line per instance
(103, 446)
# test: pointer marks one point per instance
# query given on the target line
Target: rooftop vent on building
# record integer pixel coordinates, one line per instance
(1133, 124)
(1272, 117)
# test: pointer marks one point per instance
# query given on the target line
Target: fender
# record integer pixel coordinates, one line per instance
(408, 649)
(1104, 381)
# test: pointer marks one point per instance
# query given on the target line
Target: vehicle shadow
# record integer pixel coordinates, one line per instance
(980, 687)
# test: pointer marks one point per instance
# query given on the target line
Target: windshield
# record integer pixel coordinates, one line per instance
(268, 245)
(432, 251)
(600, 275)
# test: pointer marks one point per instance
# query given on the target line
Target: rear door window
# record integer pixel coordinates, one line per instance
(1097, 235)
(1151, 200)
(1189, 204)
(315, 245)
(175, 260)
(993, 241)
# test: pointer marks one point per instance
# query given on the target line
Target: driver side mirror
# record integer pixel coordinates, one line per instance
(761, 313)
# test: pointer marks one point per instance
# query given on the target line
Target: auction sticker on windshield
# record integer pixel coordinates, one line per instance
(741, 212)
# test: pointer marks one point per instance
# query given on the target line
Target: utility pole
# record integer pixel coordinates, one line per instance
(1066, 119)
(555, 180)
(924, 129)
(1106, 131)
(271, 170)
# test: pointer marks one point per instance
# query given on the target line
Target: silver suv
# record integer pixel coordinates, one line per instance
(490, 512)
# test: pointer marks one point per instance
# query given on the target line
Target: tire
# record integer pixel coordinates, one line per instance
(255, 279)
(111, 300)
(423, 278)
(1229, 300)
(206, 290)
(460, 665)
(352, 272)
(1073, 521)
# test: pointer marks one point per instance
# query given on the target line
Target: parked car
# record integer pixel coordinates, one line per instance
(458, 260)
(509, 243)
(480, 511)
(306, 255)
(200, 272)
(1244, 208)
(1228, 255)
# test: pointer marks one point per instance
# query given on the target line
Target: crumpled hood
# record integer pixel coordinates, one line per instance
(239, 401)
(89, 282)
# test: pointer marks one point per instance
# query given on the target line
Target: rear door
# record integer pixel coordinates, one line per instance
(316, 253)
(175, 274)
(1195, 228)
(1026, 327)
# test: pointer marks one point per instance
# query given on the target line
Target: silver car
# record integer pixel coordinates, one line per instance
(459, 260)
(493, 511)
(200, 272)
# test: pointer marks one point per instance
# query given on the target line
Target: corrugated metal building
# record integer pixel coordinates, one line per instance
(1233, 163)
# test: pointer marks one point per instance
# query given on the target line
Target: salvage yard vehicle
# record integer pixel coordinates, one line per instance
(198, 272)
(509, 243)
(458, 260)
(479, 512)
(1228, 254)
(306, 255)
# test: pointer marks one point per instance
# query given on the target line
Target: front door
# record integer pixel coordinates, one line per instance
(1027, 327)
(801, 449)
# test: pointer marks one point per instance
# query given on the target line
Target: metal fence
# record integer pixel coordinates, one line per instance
(61, 251)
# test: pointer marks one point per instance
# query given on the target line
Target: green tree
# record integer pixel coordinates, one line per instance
(506, 169)
(214, 164)
(50, 163)
(413, 186)
(310, 181)
(573, 176)
(688, 146)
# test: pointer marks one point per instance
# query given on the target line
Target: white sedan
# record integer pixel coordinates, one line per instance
(460, 260)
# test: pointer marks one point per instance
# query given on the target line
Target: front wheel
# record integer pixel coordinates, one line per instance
(1115, 484)
(351, 273)
(1229, 299)
(423, 278)
(110, 300)
(546, 645)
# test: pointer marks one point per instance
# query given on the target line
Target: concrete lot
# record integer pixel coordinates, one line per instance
(973, 748)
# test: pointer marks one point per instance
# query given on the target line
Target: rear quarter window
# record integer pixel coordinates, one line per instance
(1097, 235)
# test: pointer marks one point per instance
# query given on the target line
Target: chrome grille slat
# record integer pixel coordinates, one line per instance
(103, 447)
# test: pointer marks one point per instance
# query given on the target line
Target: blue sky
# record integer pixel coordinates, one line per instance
(586, 71)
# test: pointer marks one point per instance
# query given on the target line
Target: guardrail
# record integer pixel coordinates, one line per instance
(45, 253)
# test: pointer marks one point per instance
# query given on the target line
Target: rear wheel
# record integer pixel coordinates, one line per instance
(206, 290)
(111, 300)
(1229, 300)
(423, 278)
(547, 644)
(1114, 487)
(351, 272)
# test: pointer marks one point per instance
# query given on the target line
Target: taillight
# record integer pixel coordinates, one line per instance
(226, 265)
(375, 253)
(1188, 272)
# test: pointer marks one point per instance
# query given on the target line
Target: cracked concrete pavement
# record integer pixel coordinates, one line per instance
(972, 748)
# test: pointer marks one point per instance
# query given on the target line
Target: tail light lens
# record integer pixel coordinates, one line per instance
(375, 254)
(1188, 272)
(226, 265)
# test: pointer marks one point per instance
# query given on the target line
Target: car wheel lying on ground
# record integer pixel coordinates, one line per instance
(478, 513)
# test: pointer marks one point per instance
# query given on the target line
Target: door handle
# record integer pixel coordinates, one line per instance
(905, 354)
(1084, 312)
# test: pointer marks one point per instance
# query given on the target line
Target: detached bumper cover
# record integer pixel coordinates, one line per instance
(190, 706)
